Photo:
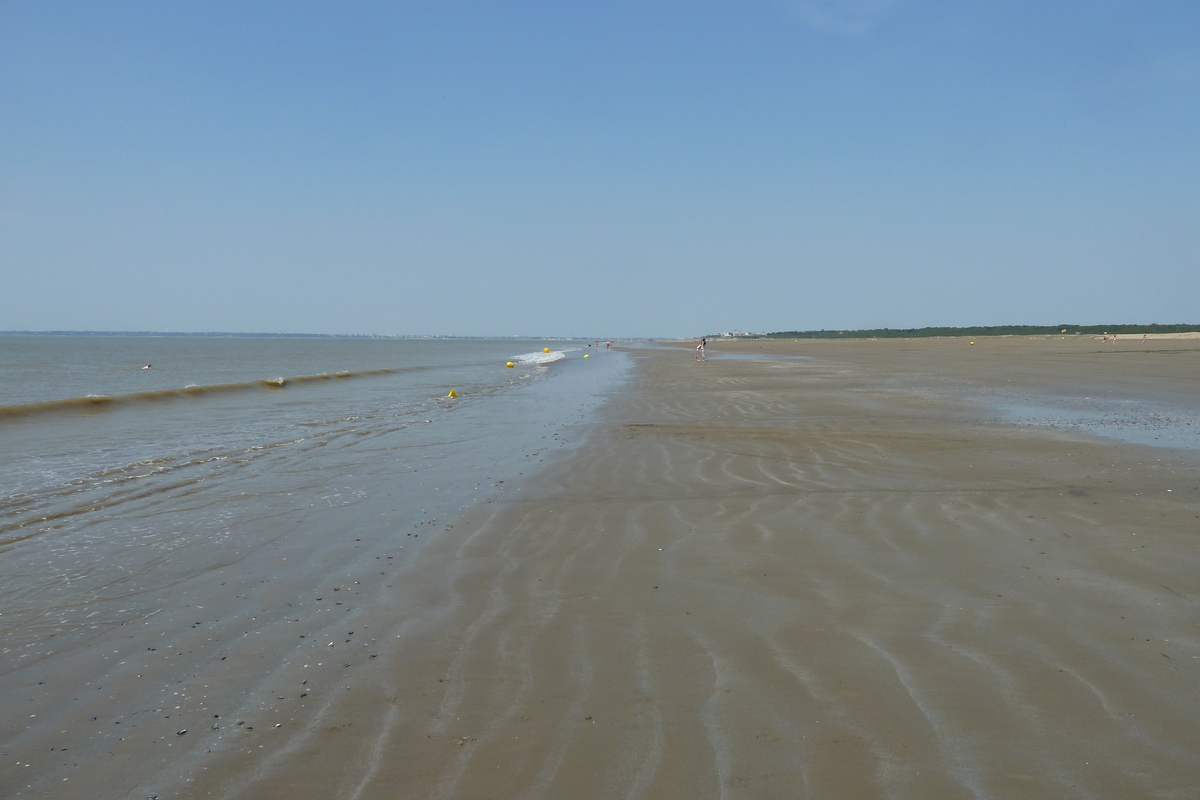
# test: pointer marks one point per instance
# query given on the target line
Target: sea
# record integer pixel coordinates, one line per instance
(133, 464)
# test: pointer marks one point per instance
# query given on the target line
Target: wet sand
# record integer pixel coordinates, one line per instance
(837, 576)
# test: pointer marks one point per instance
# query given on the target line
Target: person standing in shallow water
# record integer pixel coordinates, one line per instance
(700, 350)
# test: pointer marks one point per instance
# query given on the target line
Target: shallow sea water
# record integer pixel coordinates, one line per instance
(226, 445)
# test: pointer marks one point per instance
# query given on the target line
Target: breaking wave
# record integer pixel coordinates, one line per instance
(540, 358)
(99, 402)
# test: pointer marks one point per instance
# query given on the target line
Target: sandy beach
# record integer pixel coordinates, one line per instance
(822, 569)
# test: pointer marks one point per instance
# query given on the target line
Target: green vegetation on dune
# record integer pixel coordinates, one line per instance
(982, 330)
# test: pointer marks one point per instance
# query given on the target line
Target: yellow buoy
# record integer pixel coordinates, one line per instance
(545, 349)
(972, 343)
(585, 355)
(452, 393)
(510, 365)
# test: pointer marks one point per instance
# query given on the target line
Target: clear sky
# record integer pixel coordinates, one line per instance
(616, 168)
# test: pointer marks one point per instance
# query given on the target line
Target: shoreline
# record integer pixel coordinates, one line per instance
(831, 575)
(215, 638)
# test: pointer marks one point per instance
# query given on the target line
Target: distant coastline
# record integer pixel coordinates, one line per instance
(990, 330)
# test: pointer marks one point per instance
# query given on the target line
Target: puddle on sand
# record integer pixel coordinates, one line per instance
(1130, 421)
(755, 357)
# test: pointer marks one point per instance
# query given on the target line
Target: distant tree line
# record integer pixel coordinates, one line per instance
(982, 330)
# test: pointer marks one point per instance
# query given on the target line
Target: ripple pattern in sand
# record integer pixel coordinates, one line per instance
(800, 588)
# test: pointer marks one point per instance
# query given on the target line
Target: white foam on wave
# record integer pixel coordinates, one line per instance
(540, 358)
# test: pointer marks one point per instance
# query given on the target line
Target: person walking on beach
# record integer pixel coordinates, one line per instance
(700, 350)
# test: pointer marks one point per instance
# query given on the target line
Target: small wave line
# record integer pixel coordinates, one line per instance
(95, 402)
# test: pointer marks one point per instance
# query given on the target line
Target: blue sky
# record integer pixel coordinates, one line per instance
(601, 169)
